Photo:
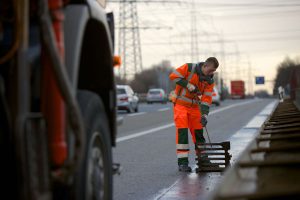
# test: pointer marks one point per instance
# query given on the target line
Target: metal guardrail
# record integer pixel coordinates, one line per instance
(297, 99)
(277, 170)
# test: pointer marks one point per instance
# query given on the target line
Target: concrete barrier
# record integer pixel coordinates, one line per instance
(236, 181)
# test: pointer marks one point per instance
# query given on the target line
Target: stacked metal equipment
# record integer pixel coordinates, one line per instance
(212, 157)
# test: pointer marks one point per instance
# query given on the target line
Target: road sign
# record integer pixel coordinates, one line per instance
(259, 80)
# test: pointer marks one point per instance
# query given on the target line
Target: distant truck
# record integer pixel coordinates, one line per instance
(237, 89)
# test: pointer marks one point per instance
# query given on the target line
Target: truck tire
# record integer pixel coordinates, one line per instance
(94, 180)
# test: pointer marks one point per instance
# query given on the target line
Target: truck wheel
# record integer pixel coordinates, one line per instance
(94, 180)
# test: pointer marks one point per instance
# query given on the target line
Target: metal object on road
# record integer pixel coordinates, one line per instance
(212, 157)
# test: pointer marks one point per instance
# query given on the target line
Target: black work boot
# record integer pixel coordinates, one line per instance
(184, 168)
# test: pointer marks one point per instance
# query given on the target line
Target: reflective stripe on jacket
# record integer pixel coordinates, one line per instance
(187, 74)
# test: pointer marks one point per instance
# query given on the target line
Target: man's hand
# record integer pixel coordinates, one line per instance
(191, 87)
(204, 120)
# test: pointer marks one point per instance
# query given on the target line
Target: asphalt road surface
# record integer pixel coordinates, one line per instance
(146, 151)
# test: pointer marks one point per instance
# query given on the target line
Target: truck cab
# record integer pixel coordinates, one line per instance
(57, 99)
(237, 89)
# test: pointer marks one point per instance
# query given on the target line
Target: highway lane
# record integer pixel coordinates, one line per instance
(149, 160)
(153, 115)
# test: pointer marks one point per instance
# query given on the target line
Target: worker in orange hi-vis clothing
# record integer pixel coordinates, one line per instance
(192, 80)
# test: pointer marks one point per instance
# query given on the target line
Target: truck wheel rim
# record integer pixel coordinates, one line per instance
(96, 176)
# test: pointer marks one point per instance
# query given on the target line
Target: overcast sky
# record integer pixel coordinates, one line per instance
(240, 33)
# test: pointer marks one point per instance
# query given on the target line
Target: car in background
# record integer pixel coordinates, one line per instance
(216, 98)
(156, 95)
(127, 99)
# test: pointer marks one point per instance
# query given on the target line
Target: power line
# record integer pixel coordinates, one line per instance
(276, 39)
(229, 40)
(215, 5)
(267, 32)
(259, 14)
(129, 35)
(280, 5)
(145, 1)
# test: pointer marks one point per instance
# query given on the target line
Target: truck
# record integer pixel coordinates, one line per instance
(57, 99)
(237, 89)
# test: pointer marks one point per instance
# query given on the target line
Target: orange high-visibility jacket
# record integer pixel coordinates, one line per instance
(187, 74)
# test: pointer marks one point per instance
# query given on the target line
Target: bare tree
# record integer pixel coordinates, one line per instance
(120, 81)
(155, 77)
(284, 74)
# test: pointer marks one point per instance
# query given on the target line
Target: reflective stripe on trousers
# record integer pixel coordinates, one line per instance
(186, 118)
(182, 143)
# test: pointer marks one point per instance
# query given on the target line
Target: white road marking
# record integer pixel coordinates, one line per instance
(134, 135)
(163, 109)
(259, 119)
(164, 191)
(231, 106)
(128, 137)
(135, 114)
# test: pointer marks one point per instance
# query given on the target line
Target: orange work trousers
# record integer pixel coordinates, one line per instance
(187, 118)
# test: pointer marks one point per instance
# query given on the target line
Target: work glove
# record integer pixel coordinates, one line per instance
(191, 87)
(204, 120)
